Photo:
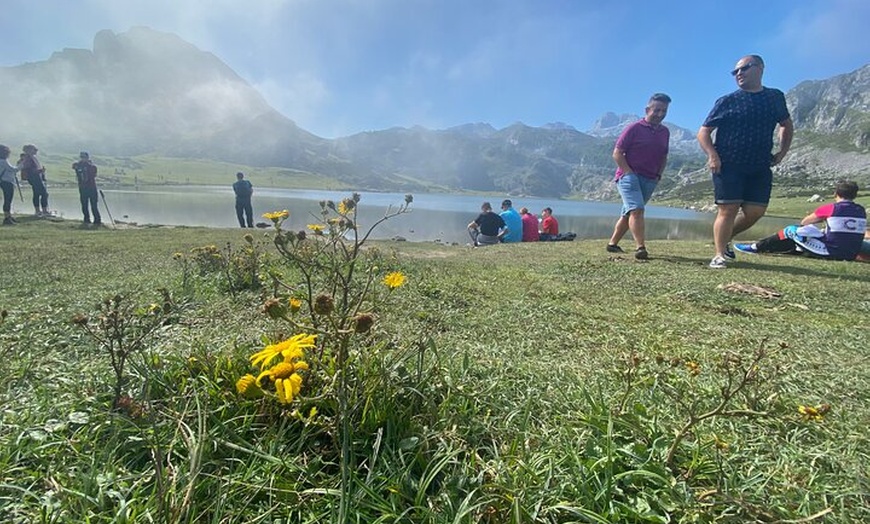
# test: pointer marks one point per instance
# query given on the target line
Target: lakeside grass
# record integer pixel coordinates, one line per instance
(543, 400)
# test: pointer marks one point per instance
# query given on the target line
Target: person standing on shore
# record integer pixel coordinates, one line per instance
(741, 156)
(243, 190)
(86, 176)
(8, 173)
(641, 154)
(34, 173)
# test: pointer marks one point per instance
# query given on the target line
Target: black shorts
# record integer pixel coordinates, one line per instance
(743, 185)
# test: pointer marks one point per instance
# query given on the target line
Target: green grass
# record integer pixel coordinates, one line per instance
(537, 396)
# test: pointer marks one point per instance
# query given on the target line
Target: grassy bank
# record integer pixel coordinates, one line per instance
(548, 382)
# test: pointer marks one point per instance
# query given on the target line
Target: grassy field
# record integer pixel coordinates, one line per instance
(548, 382)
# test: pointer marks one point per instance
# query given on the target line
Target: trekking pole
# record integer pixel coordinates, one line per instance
(20, 193)
(107, 208)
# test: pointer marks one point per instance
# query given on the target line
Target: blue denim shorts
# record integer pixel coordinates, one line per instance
(635, 191)
(740, 185)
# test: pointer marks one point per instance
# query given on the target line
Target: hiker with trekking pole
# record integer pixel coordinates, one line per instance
(8, 174)
(86, 176)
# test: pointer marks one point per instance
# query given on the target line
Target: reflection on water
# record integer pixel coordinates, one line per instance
(433, 216)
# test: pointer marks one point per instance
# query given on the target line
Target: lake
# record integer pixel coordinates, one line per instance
(433, 217)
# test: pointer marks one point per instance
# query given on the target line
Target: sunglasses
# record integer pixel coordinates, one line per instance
(743, 69)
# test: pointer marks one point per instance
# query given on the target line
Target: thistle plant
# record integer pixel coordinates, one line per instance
(329, 296)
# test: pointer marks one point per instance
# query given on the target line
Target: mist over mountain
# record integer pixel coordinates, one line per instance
(146, 91)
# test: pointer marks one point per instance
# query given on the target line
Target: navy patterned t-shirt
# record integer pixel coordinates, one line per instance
(744, 125)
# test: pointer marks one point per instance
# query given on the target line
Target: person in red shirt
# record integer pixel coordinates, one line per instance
(549, 225)
(530, 225)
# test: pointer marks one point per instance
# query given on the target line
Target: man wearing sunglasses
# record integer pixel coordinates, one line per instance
(741, 156)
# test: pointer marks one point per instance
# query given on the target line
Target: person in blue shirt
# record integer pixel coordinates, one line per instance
(513, 221)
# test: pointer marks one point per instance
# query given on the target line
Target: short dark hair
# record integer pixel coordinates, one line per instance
(240, 175)
(486, 205)
(846, 189)
(757, 59)
(506, 203)
(660, 97)
(548, 210)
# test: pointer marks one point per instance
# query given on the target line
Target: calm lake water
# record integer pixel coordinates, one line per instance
(441, 217)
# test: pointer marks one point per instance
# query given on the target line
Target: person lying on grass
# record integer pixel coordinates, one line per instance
(845, 223)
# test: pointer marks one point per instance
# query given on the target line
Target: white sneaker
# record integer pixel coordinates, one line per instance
(718, 262)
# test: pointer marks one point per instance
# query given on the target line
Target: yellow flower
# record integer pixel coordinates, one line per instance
(287, 381)
(288, 388)
(275, 216)
(290, 349)
(394, 280)
(317, 228)
(693, 367)
(346, 206)
(247, 387)
(295, 304)
(816, 414)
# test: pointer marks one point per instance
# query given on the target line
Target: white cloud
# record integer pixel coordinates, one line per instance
(829, 30)
(301, 98)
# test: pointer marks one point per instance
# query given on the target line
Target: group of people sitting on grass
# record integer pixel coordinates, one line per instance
(509, 226)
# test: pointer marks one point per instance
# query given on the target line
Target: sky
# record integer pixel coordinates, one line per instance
(339, 67)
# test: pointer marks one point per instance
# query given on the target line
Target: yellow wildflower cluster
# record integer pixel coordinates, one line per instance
(283, 375)
(693, 368)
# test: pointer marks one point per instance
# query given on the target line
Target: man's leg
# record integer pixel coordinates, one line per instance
(723, 226)
(750, 215)
(619, 230)
(249, 211)
(239, 209)
(85, 200)
(95, 207)
(637, 227)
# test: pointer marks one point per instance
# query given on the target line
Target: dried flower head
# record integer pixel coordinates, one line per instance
(274, 308)
(323, 304)
(362, 323)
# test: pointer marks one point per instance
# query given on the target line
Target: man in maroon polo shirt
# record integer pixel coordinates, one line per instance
(641, 154)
